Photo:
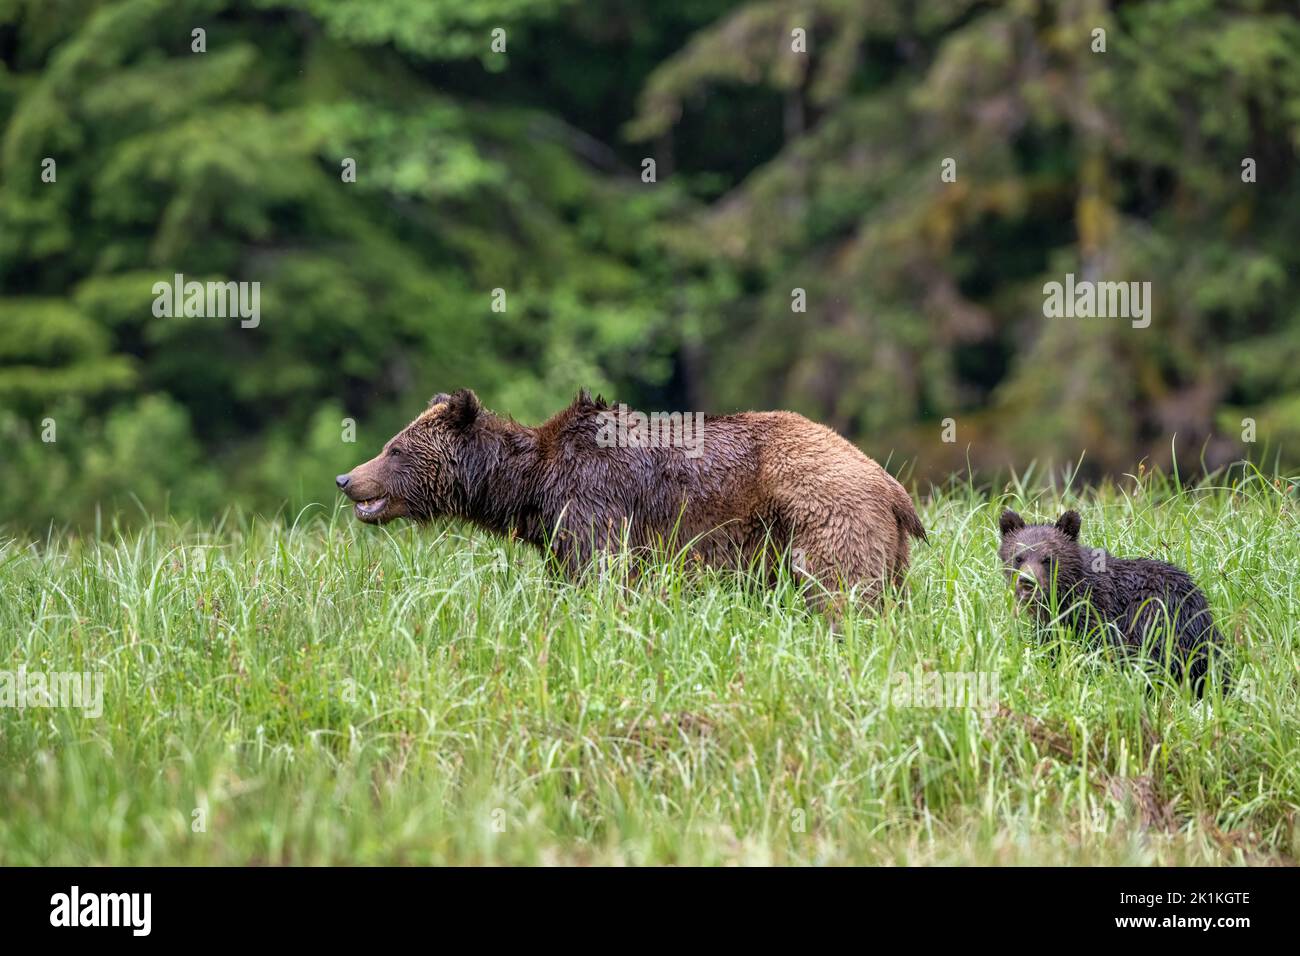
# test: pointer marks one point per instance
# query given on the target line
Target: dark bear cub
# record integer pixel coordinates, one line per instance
(1133, 603)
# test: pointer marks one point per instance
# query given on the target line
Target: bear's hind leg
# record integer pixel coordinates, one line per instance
(829, 585)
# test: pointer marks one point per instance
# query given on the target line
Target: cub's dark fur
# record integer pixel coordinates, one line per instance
(1133, 602)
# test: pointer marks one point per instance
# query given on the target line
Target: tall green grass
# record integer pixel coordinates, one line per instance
(314, 691)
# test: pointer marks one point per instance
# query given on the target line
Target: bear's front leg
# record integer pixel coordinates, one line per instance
(576, 553)
(569, 555)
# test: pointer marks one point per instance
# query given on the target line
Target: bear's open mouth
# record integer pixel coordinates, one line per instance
(371, 508)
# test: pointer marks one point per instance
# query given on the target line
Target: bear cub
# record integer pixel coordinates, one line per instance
(1133, 603)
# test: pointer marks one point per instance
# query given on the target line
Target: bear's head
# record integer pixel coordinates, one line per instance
(1038, 558)
(420, 473)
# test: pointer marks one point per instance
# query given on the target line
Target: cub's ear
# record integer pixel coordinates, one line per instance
(1009, 522)
(463, 408)
(1068, 524)
(442, 398)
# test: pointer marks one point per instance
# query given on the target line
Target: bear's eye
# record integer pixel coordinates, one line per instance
(394, 451)
(1020, 559)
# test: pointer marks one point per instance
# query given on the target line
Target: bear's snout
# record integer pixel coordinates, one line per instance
(367, 487)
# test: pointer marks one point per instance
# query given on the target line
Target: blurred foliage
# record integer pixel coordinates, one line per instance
(521, 171)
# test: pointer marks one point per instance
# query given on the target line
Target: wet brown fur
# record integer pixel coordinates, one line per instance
(1133, 603)
(766, 482)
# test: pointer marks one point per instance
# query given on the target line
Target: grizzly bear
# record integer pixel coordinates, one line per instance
(748, 486)
(1133, 603)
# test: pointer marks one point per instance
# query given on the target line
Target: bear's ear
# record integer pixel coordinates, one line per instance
(1068, 524)
(462, 408)
(1009, 522)
(442, 398)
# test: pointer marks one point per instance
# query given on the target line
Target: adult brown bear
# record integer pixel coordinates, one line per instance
(741, 487)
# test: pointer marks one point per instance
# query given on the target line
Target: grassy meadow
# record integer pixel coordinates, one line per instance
(307, 690)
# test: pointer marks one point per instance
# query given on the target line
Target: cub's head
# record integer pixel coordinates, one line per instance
(1038, 557)
(417, 475)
